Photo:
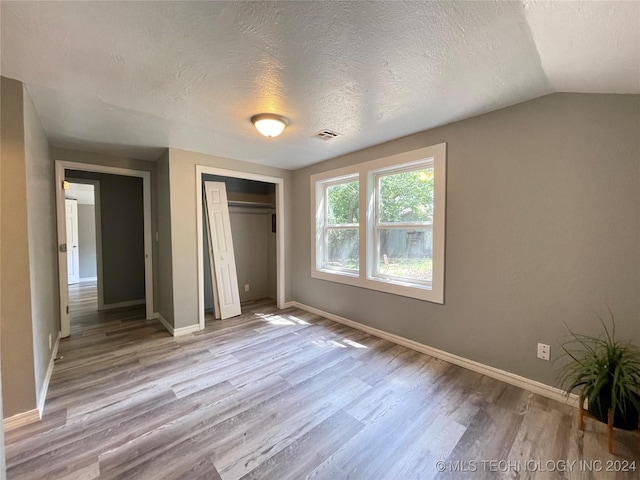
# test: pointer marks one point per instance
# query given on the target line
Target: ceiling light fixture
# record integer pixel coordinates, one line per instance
(269, 124)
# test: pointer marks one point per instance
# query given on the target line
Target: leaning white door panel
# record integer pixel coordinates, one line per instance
(224, 261)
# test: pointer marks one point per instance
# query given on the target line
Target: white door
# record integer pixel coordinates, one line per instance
(73, 255)
(224, 261)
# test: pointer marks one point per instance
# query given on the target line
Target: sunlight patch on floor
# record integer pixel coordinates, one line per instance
(328, 343)
(299, 321)
(275, 319)
(346, 343)
(353, 344)
(289, 320)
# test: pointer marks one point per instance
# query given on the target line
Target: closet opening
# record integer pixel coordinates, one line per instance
(254, 204)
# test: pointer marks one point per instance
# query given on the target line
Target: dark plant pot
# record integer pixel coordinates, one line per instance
(625, 421)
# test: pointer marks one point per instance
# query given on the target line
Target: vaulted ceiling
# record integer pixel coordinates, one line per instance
(131, 78)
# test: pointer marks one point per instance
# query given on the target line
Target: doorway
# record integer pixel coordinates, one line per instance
(251, 206)
(84, 247)
(85, 251)
(118, 256)
(275, 228)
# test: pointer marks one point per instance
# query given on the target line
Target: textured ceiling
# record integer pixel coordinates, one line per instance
(131, 78)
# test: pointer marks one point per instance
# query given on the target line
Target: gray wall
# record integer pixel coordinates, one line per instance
(87, 240)
(17, 356)
(165, 273)
(251, 232)
(206, 267)
(28, 273)
(43, 254)
(543, 227)
(272, 261)
(122, 228)
(183, 226)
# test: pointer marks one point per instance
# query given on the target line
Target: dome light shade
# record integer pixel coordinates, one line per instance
(269, 124)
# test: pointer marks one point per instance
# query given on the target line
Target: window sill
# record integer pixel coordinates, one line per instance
(394, 287)
(345, 273)
(399, 282)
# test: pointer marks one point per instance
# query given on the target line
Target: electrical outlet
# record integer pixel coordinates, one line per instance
(543, 351)
(246, 287)
(49, 341)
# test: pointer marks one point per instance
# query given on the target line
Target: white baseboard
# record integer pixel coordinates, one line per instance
(130, 303)
(21, 419)
(502, 375)
(32, 416)
(164, 322)
(88, 279)
(176, 332)
(47, 378)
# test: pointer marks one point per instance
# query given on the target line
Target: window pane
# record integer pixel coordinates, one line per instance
(406, 197)
(342, 203)
(342, 248)
(405, 253)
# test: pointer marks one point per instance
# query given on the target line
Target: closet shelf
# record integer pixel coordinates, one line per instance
(237, 203)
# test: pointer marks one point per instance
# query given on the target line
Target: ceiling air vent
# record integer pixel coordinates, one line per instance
(326, 134)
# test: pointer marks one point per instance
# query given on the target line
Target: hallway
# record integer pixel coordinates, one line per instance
(83, 308)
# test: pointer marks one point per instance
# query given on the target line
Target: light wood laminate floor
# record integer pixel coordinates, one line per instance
(286, 395)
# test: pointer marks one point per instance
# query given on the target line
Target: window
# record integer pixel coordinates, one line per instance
(340, 226)
(397, 244)
(404, 225)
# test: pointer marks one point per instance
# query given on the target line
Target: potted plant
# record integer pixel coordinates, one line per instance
(606, 373)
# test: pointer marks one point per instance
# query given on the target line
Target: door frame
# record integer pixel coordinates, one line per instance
(60, 167)
(98, 229)
(280, 251)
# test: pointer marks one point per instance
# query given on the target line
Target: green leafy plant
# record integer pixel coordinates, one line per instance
(605, 372)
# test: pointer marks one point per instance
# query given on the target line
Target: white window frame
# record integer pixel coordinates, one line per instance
(366, 174)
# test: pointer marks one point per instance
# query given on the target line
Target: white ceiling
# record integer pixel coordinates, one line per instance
(131, 78)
